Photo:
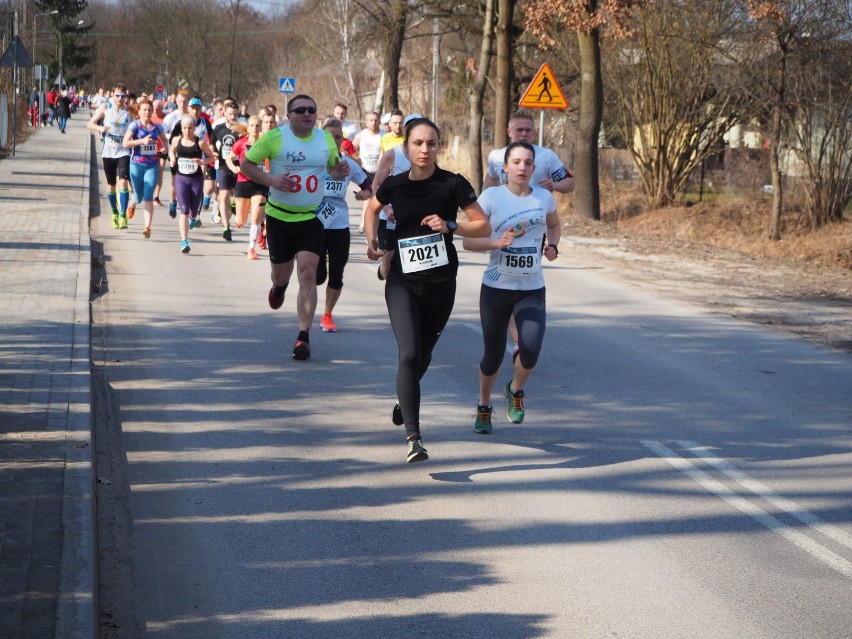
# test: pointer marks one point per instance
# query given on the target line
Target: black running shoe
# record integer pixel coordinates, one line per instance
(301, 350)
(416, 452)
(396, 415)
(226, 235)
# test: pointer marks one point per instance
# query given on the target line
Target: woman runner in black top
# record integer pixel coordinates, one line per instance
(421, 285)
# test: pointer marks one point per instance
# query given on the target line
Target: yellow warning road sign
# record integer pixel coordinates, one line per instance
(544, 92)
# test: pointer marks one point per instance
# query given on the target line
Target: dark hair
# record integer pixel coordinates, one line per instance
(342, 106)
(396, 112)
(417, 122)
(332, 122)
(514, 145)
(299, 97)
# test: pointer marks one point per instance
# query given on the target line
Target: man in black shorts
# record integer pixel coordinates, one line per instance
(299, 155)
(224, 136)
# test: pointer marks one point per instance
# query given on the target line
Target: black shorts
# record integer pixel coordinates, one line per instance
(247, 189)
(285, 239)
(387, 237)
(116, 169)
(210, 172)
(226, 179)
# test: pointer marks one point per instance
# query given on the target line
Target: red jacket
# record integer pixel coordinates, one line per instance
(51, 97)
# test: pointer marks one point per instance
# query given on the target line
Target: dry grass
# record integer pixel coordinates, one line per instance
(741, 227)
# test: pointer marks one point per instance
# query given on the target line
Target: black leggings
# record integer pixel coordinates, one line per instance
(496, 307)
(335, 254)
(418, 314)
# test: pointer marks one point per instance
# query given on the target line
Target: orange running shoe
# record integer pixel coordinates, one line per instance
(327, 323)
(252, 255)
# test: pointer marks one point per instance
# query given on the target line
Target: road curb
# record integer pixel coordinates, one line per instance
(76, 613)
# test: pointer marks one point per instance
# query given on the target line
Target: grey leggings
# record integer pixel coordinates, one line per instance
(496, 306)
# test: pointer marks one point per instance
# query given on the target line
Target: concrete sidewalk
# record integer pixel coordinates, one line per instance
(47, 532)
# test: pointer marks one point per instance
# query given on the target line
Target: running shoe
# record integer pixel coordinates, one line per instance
(396, 415)
(252, 254)
(416, 451)
(276, 298)
(184, 246)
(514, 405)
(301, 350)
(261, 242)
(198, 221)
(172, 209)
(226, 234)
(147, 232)
(115, 220)
(122, 222)
(131, 210)
(157, 202)
(482, 425)
(205, 202)
(327, 322)
(193, 222)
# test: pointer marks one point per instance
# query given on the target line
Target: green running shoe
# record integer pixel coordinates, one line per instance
(482, 425)
(416, 452)
(115, 220)
(515, 404)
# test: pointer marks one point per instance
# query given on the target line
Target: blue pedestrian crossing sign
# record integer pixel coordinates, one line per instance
(286, 85)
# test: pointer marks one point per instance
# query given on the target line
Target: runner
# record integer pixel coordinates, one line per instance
(395, 134)
(111, 121)
(63, 109)
(368, 143)
(299, 156)
(203, 129)
(393, 162)
(189, 154)
(521, 216)
(421, 284)
(224, 136)
(171, 124)
(142, 137)
(350, 129)
(250, 196)
(158, 117)
(550, 173)
(334, 215)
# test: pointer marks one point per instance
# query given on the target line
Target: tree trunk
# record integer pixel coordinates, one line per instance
(393, 52)
(775, 151)
(505, 75)
(474, 134)
(587, 197)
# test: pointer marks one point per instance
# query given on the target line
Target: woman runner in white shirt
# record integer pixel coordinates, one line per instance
(513, 284)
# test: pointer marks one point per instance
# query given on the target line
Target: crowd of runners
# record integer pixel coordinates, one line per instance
(287, 177)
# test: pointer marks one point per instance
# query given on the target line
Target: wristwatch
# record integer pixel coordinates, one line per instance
(451, 227)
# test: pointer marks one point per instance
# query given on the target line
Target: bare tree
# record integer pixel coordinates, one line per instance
(477, 93)
(590, 19)
(678, 90)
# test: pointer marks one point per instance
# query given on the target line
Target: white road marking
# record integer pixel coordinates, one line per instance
(801, 540)
(764, 492)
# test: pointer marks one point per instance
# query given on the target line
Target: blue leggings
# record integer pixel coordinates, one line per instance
(143, 177)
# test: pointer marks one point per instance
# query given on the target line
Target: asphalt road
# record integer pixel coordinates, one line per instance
(679, 474)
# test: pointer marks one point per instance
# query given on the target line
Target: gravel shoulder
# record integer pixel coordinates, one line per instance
(810, 300)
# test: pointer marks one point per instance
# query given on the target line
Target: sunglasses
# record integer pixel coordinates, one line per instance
(303, 110)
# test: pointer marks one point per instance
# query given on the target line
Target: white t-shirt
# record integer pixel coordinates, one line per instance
(369, 149)
(401, 164)
(333, 212)
(547, 165)
(517, 267)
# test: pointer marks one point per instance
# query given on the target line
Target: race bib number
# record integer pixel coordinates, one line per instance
(423, 253)
(370, 162)
(326, 213)
(334, 188)
(518, 261)
(148, 149)
(112, 144)
(187, 166)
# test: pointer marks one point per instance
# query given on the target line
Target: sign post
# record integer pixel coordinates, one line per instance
(543, 92)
